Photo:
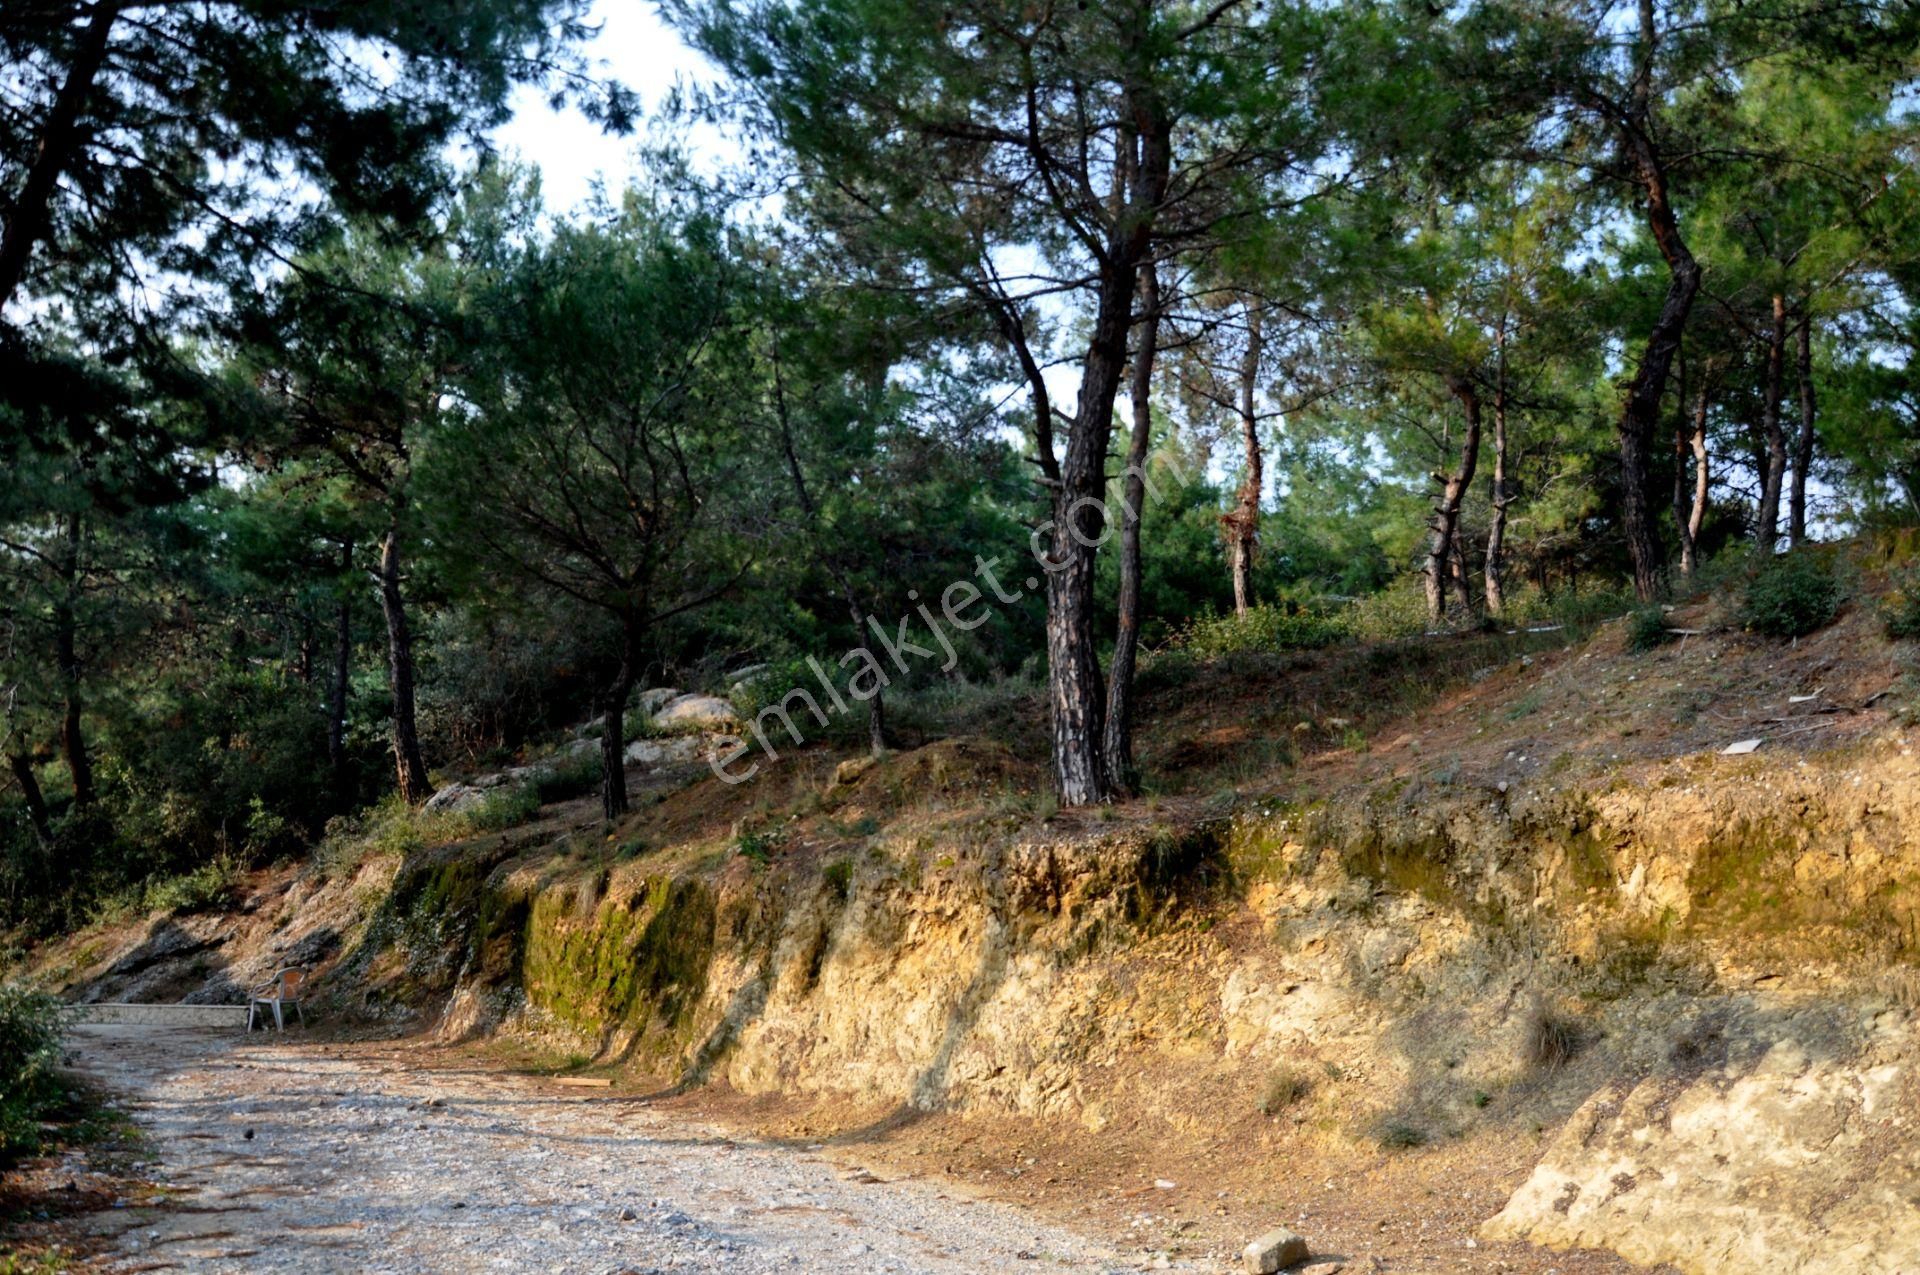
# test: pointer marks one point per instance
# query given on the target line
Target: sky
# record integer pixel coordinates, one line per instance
(636, 48)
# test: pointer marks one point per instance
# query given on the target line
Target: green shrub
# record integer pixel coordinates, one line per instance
(1792, 596)
(31, 1024)
(206, 887)
(574, 775)
(505, 808)
(1264, 628)
(758, 844)
(1901, 614)
(1403, 1135)
(1647, 629)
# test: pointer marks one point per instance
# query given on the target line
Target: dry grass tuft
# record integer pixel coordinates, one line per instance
(1552, 1038)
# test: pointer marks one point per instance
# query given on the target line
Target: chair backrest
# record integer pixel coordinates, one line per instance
(286, 984)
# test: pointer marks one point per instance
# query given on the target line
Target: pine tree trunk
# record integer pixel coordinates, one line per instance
(410, 769)
(1766, 521)
(1640, 413)
(1076, 691)
(1458, 569)
(22, 767)
(613, 729)
(342, 676)
(1446, 514)
(1803, 444)
(61, 137)
(1118, 745)
(1495, 574)
(1243, 524)
(66, 644)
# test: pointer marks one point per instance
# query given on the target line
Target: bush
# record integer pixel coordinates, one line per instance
(1647, 629)
(1902, 611)
(1792, 596)
(31, 1024)
(505, 808)
(207, 887)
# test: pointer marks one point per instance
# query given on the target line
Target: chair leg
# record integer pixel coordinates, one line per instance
(252, 1008)
(279, 1023)
(301, 1014)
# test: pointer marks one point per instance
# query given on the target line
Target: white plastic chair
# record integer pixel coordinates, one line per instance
(281, 990)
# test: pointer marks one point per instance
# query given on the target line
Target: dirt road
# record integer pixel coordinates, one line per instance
(279, 1154)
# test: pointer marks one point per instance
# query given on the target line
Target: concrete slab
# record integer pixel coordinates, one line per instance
(234, 1016)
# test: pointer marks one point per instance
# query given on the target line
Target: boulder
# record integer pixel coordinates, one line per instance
(1276, 1250)
(663, 752)
(656, 698)
(696, 711)
(453, 799)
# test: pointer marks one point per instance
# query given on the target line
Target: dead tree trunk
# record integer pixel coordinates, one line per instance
(410, 770)
(1446, 513)
(1803, 443)
(1243, 524)
(1767, 517)
(1118, 744)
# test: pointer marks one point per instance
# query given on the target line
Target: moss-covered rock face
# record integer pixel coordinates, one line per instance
(627, 967)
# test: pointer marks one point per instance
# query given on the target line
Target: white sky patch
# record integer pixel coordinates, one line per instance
(636, 48)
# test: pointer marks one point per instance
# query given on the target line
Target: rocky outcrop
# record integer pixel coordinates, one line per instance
(1773, 1138)
(696, 712)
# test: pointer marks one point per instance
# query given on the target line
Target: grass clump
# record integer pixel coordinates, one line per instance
(1285, 1087)
(1792, 596)
(1552, 1039)
(1403, 1135)
(31, 1026)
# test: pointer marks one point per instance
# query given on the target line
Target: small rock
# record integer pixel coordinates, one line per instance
(627, 1214)
(248, 1135)
(1277, 1248)
(1163, 1184)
